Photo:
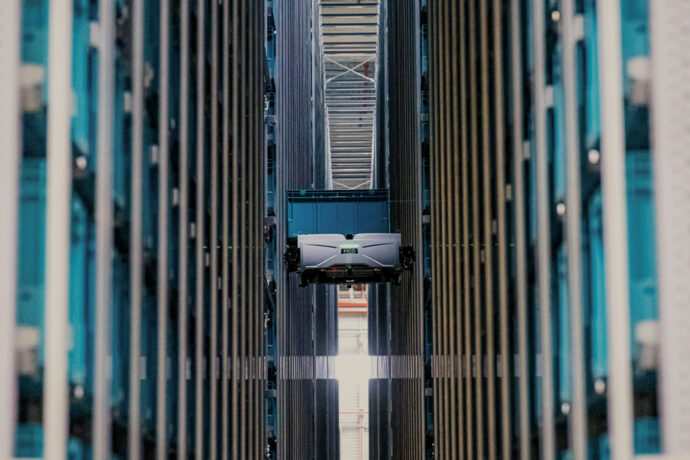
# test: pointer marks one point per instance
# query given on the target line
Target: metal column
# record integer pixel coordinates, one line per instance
(578, 420)
(200, 266)
(163, 233)
(58, 193)
(520, 228)
(543, 255)
(213, 361)
(104, 230)
(487, 204)
(670, 133)
(10, 144)
(613, 185)
(182, 294)
(501, 231)
(465, 371)
(136, 233)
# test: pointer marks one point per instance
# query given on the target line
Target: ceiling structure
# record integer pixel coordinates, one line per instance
(350, 39)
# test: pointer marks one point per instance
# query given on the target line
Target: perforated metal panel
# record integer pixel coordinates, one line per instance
(670, 36)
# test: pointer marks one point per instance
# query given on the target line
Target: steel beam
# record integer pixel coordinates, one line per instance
(104, 225)
(214, 365)
(520, 229)
(136, 259)
(200, 266)
(503, 267)
(466, 253)
(543, 256)
(578, 419)
(183, 234)
(613, 185)
(488, 242)
(58, 195)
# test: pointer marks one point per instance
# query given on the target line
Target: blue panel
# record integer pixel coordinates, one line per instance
(647, 436)
(641, 238)
(338, 211)
(594, 277)
(562, 310)
(29, 440)
(81, 300)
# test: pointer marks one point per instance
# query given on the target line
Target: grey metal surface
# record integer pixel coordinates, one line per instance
(213, 359)
(183, 235)
(239, 409)
(457, 387)
(613, 186)
(475, 361)
(377, 250)
(104, 227)
(487, 167)
(136, 233)
(671, 133)
(578, 419)
(503, 365)
(58, 190)
(163, 222)
(229, 412)
(247, 413)
(10, 144)
(543, 251)
(200, 355)
(520, 229)
(464, 360)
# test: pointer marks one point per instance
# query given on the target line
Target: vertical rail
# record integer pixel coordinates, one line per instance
(520, 237)
(487, 230)
(433, 151)
(466, 257)
(449, 154)
(136, 233)
(417, 196)
(10, 144)
(476, 364)
(260, 133)
(182, 303)
(258, 305)
(444, 99)
(104, 229)
(671, 135)
(236, 60)
(615, 229)
(499, 127)
(200, 229)
(248, 324)
(280, 277)
(548, 437)
(58, 193)
(457, 234)
(163, 213)
(227, 365)
(578, 419)
(213, 244)
(239, 325)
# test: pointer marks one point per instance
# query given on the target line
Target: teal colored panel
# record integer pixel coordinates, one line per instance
(337, 211)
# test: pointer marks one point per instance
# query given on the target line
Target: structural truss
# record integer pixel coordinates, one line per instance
(349, 44)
